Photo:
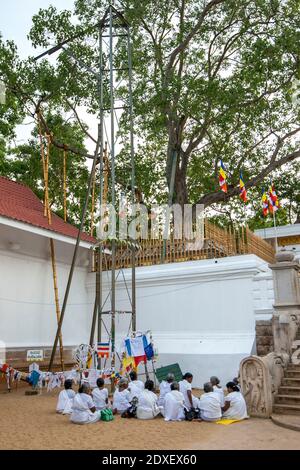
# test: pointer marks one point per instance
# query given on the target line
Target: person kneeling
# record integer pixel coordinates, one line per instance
(210, 404)
(147, 405)
(173, 409)
(235, 405)
(65, 399)
(83, 409)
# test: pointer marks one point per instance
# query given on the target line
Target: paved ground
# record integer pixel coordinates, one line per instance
(30, 422)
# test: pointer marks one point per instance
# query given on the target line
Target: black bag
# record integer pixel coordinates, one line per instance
(131, 411)
(193, 413)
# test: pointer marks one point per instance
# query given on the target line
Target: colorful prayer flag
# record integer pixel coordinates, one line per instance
(265, 203)
(222, 178)
(273, 199)
(103, 349)
(243, 191)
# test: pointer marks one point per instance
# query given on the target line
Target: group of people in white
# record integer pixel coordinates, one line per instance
(173, 402)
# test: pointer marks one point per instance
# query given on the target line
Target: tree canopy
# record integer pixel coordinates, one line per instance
(212, 79)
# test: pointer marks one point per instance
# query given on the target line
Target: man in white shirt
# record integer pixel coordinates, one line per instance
(65, 398)
(209, 404)
(134, 380)
(173, 409)
(100, 395)
(235, 405)
(185, 387)
(164, 388)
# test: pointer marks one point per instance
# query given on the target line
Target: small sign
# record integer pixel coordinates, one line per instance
(35, 355)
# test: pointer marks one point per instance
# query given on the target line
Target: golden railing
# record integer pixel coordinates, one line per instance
(218, 243)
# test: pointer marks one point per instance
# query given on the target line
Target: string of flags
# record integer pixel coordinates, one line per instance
(269, 200)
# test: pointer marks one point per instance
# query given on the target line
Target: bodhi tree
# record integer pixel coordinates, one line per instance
(212, 79)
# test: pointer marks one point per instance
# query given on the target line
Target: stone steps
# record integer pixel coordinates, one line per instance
(289, 390)
(292, 374)
(286, 409)
(290, 382)
(287, 399)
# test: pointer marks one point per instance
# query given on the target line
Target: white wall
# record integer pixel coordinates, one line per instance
(27, 308)
(201, 313)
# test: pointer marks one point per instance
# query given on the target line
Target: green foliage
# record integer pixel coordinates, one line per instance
(211, 80)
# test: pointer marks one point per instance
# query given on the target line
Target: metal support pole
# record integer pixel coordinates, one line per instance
(113, 199)
(133, 287)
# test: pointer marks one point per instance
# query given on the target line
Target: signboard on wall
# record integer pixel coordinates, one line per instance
(35, 355)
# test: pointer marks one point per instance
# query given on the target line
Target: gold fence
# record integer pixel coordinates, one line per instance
(217, 243)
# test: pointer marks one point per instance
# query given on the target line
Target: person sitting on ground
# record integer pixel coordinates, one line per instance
(147, 407)
(236, 381)
(185, 387)
(164, 388)
(121, 398)
(209, 404)
(100, 395)
(135, 386)
(173, 409)
(217, 388)
(235, 405)
(83, 409)
(65, 398)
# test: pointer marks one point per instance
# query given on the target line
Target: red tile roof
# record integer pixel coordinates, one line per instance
(19, 202)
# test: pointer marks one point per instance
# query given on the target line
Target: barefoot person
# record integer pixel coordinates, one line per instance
(209, 404)
(185, 387)
(65, 398)
(83, 409)
(235, 405)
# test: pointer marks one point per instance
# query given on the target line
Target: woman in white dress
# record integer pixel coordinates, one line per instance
(121, 398)
(65, 398)
(235, 405)
(100, 395)
(185, 387)
(147, 407)
(83, 409)
(173, 409)
(217, 388)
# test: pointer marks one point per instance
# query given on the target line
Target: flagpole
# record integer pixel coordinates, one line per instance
(275, 231)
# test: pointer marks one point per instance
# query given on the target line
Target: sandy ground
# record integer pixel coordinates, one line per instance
(30, 422)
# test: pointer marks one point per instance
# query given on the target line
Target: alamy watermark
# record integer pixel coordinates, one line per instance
(138, 222)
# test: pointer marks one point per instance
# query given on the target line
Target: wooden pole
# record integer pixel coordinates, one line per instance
(57, 308)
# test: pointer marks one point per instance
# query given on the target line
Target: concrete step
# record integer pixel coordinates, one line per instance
(290, 374)
(287, 421)
(289, 390)
(287, 399)
(292, 367)
(287, 409)
(291, 382)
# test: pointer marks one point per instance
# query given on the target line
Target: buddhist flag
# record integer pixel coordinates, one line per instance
(265, 203)
(128, 363)
(243, 191)
(273, 199)
(103, 350)
(222, 178)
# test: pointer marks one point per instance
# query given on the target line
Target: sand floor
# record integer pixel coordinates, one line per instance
(30, 422)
